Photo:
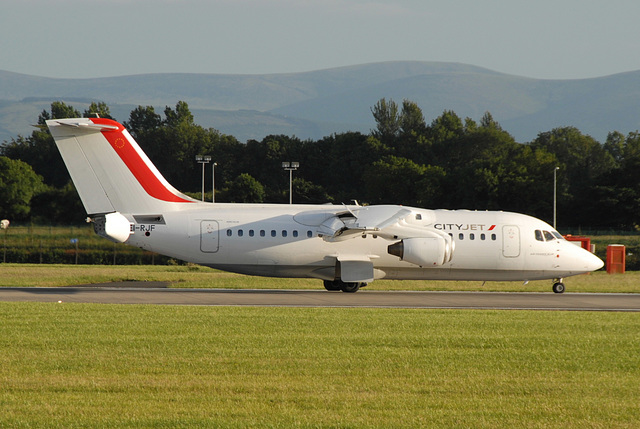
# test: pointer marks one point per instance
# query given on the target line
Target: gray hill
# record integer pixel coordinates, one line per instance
(319, 103)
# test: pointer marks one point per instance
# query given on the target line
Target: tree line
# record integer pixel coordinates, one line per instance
(449, 163)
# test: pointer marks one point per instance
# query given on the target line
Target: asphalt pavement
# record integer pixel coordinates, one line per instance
(158, 294)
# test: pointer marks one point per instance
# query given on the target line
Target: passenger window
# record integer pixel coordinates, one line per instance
(539, 235)
(295, 233)
(493, 237)
(251, 233)
(472, 236)
(418, 216)
(273, 232)
(482, 237)
(240, 233)
(548, 236)
(229, 233)
(309, 234)
(461, 236)
(284, 233)
(262, 233)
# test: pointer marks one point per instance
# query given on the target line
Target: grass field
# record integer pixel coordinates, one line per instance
(88, 365)
(81, 365)
(193, 276)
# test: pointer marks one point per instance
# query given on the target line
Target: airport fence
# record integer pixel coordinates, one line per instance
(69, 245)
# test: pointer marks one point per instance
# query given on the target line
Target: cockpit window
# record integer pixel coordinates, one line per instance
(547, 236)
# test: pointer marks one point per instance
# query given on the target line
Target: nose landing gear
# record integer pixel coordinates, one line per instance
(558, 286)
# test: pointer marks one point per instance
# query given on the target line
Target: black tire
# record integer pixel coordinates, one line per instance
(333, 285)
(350, 287)
(558, 287)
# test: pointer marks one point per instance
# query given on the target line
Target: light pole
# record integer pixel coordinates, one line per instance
(213, 182)
(555, 199)
(200, 159)
(290, 166)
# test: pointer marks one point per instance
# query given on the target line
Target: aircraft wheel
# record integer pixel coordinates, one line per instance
(558, 287)
(333, 285)
(350, 287)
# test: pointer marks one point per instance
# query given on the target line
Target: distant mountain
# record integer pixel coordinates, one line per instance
(319, 103)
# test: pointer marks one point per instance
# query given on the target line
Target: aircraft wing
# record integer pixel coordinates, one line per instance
(377, 220)
(416, 240)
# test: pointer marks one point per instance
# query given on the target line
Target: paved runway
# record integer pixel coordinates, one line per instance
(322, 298)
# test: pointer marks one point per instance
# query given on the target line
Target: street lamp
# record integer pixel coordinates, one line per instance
(290, 166)
(200, 159)
(555, 199)
(213, 182)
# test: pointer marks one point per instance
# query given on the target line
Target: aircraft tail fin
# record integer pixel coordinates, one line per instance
(109, 169)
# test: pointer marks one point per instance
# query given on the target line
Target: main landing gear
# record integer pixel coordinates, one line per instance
(335, 285)
(558, 286)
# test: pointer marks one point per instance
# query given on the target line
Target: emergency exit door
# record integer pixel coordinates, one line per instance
(209, 237)
(510, 241)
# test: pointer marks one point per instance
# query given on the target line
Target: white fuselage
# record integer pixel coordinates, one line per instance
(280, 241)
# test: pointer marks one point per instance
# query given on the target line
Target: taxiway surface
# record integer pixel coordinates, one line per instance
(322, 298)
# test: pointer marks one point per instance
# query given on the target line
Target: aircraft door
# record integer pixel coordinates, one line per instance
(510, 241)
(209, 236)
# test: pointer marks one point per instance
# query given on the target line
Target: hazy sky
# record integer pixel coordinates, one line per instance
(556, 39)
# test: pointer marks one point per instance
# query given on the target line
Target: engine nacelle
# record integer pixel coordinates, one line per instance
(113, 226)
(422, 251)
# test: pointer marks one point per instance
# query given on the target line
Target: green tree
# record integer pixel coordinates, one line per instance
(487, 121)
(245, 189)
(445, 128)
(305, 192)
(412, 142)
(263, 160)
(180, 115)
(100, 109)
(393, 180)
(59, 110)
(39, 150)
(583, 163)
(412, 121)
(58, 206)
(142, 121)
(617, 193)
(18, 184)
(387, 117)
(173, 144)
(340, 164)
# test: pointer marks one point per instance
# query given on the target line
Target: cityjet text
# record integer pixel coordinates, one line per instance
(463, 227)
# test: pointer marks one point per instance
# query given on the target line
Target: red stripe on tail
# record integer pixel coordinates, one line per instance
(136, 164)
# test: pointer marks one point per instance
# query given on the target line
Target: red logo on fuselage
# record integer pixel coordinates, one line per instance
(463, 227)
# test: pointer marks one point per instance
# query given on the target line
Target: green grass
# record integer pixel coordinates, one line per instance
(72, 365)
(193, 276)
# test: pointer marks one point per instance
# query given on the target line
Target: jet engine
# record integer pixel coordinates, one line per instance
(424, 251)
(113, 226)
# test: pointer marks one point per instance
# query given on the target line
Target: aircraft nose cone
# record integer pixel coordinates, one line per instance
(594, 263)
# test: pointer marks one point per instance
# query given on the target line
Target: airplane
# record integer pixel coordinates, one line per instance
(345, 246)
